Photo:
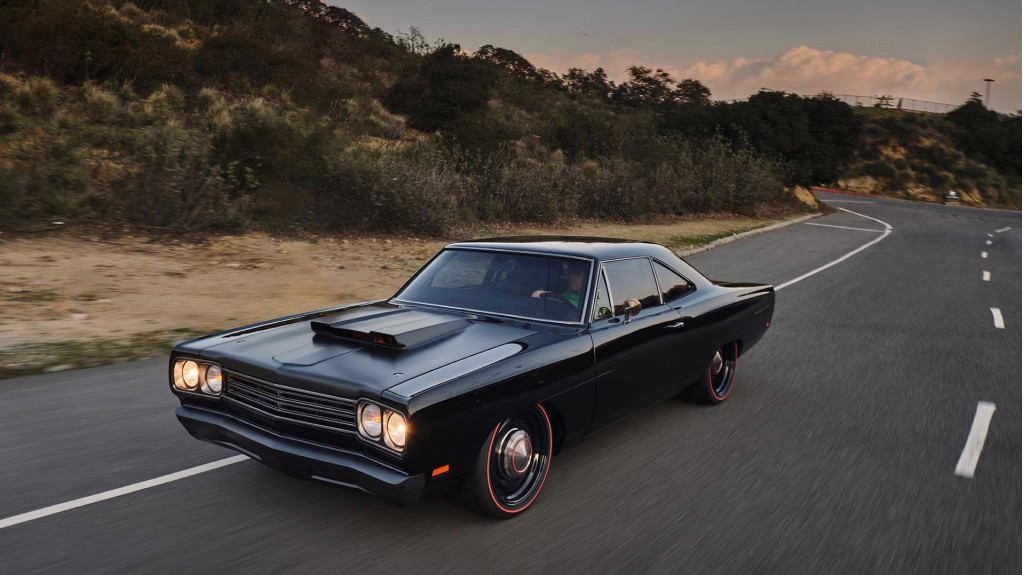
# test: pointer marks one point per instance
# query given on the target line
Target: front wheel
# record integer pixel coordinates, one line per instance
(715, 385)
(511, 467)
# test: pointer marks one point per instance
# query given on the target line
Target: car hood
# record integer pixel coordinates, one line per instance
(336, 354)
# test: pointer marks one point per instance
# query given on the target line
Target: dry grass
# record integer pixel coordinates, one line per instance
(71, 301)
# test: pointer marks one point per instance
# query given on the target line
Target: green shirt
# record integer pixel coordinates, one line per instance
(572, 297)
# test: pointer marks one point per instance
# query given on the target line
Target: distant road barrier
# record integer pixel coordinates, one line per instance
(884, 101)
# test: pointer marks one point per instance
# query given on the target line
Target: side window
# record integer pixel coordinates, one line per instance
(602, 304)
(673, 286)
(632, 279)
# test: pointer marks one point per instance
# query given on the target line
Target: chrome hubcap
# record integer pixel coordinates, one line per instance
(516, 453)
(717, 363)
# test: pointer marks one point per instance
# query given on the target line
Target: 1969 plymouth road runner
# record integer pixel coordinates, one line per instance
(494, 357)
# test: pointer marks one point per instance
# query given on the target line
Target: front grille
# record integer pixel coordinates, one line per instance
(258, 400)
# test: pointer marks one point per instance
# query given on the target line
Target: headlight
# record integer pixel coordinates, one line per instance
(369, 420)
(192, 375)
(186, 375)
(213, 380)
(382, 426)
(396, 431)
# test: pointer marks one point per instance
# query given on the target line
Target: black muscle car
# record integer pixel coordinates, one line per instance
(495, 356)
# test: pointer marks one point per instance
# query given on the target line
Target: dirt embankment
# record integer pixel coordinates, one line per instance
(70, 300)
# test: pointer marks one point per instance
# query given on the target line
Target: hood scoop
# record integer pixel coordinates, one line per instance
(396, 329)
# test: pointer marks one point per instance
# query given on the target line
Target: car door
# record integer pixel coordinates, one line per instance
(633, 354)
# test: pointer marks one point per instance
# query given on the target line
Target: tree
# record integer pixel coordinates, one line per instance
(447, 86)
(692, 92)
(507, 61)
(645, 86)
(987, 136)
(813, 137)
(579, 81)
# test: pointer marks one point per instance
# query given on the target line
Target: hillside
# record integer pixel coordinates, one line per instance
(920, 156)
(294, 116)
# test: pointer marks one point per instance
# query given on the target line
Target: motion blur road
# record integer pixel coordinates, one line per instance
(835, 453)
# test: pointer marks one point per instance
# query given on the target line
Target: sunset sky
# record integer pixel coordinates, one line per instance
(935, 50)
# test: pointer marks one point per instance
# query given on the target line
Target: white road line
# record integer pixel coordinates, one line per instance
(881, 236)
(843, 227)
(991, 236)
(61, 507)
(984, 255)
(988, 242)
(848, 201)
(1001, 230)
(975, 440)
(985, 276)
(997, 318)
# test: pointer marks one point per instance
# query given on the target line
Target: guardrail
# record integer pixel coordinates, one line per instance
(888, 101)
(884, 101)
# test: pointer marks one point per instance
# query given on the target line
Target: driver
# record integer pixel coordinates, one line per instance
(571, 293)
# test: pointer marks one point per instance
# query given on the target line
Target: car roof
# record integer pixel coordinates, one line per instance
(576, 246)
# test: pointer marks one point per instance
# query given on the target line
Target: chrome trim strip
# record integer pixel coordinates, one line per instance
(602, 275)
(487, 313)
(286, 419)
(295, 406)
(292, 389)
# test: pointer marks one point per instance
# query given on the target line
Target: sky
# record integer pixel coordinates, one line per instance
(932, 50)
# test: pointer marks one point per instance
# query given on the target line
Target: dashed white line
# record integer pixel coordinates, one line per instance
(61, 507)
(881, 236)
(991, 236)
(988, 242)
(843, 227)
(1001, 230)
(997, 318)
(975, 440)
(985, 276)
(984, 255)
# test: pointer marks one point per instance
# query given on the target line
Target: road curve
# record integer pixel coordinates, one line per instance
(837, 452)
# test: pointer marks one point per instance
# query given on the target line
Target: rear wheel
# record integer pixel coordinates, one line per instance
(715, 385)
(511, 467)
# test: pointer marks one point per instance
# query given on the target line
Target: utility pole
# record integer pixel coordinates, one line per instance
(988, 85)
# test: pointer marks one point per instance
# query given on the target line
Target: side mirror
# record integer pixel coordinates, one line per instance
(631, 308)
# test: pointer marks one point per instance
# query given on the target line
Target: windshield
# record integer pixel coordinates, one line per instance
(537, 287)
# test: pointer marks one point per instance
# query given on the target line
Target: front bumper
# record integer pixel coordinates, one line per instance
(302, 458)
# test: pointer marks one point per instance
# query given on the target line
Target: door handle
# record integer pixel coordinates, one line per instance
(676, 325)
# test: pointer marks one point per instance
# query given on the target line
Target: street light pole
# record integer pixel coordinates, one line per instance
(988, 84)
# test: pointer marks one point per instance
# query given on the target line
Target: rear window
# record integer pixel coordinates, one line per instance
(673, 285)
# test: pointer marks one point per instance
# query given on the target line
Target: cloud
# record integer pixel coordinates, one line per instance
(807, 70)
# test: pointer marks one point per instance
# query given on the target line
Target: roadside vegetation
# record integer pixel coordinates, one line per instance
(918, 156)
(295, 117)
(39, 358)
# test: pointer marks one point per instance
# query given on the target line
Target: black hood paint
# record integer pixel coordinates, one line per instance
(294, 354)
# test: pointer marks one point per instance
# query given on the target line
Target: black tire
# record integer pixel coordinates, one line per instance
(511, 467)
(715, 385)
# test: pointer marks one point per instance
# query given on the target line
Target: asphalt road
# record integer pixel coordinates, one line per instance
(835, 453)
